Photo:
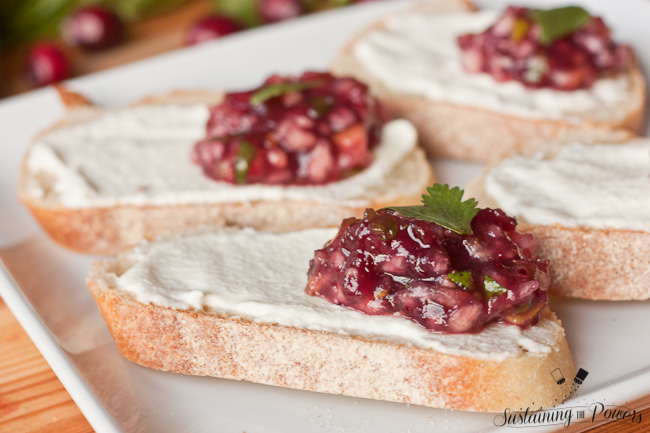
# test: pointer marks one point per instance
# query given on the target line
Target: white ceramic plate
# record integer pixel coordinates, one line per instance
(44, 286)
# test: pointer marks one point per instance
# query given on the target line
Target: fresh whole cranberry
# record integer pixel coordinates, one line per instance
(211, 27)
(388, 264)
(307, 130)
(93, 28)
(273, 11)
(47, 65)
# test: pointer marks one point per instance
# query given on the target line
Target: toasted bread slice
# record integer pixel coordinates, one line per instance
(593, 262)
(262, 327)
(109, 228)
(471, 132)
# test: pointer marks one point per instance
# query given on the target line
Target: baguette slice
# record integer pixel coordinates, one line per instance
(106, 230)
(465, 132)
(347, 353)
(586, 262)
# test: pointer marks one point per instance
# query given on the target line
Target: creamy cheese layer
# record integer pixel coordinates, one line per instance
(605, 186)
(212, 271)
(141, 155)
(416, 53)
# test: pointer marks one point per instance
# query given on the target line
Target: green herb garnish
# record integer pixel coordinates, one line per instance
(277, 89)
(321, 105)
(322, 5)
(560, 22)
(245, 155)
(492, 288)
(444, 206)
(385, 228)
(462, 278)
(244, 12)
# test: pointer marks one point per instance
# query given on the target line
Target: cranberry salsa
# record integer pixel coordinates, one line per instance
(563, 49)
(307, 130)
(456, 275)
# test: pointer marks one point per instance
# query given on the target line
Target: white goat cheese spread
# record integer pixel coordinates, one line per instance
(417, 53)
(603, 186)
(141, 155)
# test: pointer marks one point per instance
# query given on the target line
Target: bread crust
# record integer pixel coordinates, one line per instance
(109, 230)
(595, 264)
(203, 343)
(469, 133)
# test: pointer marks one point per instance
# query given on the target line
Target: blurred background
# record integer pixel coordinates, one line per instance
(45, 41)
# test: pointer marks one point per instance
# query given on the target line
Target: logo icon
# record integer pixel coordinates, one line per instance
(558, 376)
(580, 376)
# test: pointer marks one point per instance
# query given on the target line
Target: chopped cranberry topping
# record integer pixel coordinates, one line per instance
(312, 129)
(387, 264)
(511, 49)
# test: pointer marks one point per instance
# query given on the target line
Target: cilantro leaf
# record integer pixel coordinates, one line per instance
(245, 155)
(462, 278)
(277, 89)
(492, 288)
(444, 206)
(559, 22)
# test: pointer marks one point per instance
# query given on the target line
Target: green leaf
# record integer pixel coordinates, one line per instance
(321, 104)
(245, 155)
(29, 20)
(560, 22)
(321, 5)
(492, 288)
(444, 206)
(242, 11)
(277, 89)
(135, 9)
(462, 278)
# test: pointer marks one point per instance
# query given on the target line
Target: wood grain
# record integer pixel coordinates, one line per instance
(601, 425)
(31, 397)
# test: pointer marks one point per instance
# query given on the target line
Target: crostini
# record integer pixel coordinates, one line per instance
(449, 314)
(481, 84)
(296, 152)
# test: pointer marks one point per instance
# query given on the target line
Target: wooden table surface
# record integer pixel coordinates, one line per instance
(31, 397)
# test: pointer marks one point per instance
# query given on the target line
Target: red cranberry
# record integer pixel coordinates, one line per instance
(93, 28)
(273, 11)
(387, 264)
(47, 64)
(211, 27)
